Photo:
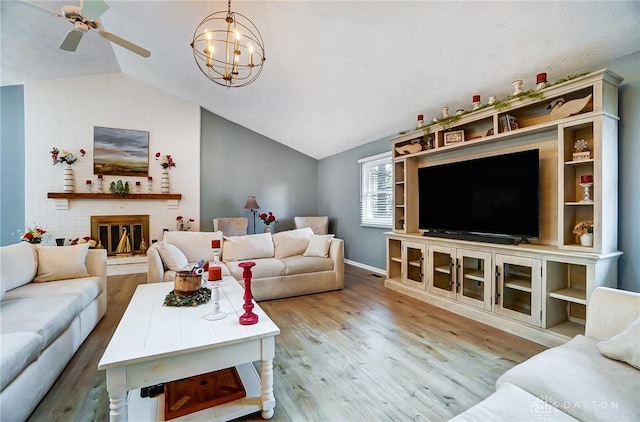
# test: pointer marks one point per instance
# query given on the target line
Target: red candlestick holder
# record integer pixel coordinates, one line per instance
(248, 318)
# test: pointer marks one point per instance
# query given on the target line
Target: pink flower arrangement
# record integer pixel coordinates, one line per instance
(65, 156)
(268, 218)
(166, 161)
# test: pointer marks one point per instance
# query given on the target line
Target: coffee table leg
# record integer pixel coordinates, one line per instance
(118, 408)
(266, 375)
(117, 388)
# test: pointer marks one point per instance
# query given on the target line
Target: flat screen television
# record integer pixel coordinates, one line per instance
(496, 196)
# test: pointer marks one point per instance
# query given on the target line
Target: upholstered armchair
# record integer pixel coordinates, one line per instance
(231, 226)
(319, 225)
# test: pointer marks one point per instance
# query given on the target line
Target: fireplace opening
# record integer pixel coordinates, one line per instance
(121, 234)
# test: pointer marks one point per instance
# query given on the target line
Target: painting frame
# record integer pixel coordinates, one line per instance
(120, 152)
(453, 137)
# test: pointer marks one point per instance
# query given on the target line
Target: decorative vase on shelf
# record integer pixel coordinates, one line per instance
(586, 239)
(68, 179)
(164, 183)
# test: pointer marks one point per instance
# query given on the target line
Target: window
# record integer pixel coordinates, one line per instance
(376, 200)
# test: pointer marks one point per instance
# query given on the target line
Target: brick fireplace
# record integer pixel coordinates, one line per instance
(109, 229)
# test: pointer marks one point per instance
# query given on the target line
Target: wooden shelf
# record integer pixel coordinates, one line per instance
(522, 285)
(570, 295)
(77, 195)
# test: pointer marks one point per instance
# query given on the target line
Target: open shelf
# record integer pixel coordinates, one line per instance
(152, 408)
(522, 285)
(570, 295)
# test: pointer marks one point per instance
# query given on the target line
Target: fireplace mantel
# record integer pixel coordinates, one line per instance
(62, 198)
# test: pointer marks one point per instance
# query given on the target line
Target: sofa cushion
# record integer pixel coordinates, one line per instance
(252, 246)
(511, 403)
(47, 316)
(264, 268)
(580, 381)
(87, 288)
(194, 245)
(18, 265)
(306, 264)
(172, 256)
(624, 346)
(291, 242)
(319, 245)
(17, 351)
(61, 262)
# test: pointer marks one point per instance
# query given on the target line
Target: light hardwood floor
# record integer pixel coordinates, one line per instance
(364, 353)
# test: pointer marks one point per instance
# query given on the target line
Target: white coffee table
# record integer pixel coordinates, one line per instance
(155, 343)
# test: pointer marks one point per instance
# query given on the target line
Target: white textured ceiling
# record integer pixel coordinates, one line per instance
(338, 73)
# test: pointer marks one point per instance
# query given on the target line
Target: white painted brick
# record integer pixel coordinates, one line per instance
(55, 115)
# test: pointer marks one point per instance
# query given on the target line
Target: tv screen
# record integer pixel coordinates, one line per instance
(496, 195)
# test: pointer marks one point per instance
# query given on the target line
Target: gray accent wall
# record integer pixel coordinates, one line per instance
(339, 198)
(237, 162)
(12, 157)
(629, 170)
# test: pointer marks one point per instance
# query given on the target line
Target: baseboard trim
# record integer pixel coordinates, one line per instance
(366, 267)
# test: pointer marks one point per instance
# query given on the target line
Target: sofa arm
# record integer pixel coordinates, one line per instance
(96, 262)
(336, 253)
(155, 271)
(610, 311)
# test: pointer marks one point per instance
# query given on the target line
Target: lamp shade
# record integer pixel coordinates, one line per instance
(251, 204)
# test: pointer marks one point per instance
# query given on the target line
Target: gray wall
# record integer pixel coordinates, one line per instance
(11, 164)
(237, 162)
(629, 170)
(339, 198)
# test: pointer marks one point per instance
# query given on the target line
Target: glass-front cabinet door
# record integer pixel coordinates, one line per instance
(473, 284)
(518, 283)
(413, 264)
(442, 270)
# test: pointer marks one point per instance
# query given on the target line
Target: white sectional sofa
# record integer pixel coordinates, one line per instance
(51, 299)
(595, 377)
(288, 263)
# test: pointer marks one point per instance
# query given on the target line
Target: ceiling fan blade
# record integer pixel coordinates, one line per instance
(46, 9)
(93, 8)
(126, 44)
(71, 41)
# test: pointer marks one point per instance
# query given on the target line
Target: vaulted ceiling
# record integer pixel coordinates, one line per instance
(338, 74)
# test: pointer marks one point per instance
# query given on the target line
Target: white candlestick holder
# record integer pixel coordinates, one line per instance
(215, 313)
(586, 192)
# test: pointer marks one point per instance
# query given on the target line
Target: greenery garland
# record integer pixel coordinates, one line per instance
(199, 297)
(499, 105)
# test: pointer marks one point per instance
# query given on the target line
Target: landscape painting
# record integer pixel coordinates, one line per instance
(120, 152)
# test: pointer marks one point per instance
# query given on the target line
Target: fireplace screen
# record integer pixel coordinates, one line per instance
(121, 234)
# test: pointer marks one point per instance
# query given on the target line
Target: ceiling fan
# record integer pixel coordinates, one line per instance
(85, 18)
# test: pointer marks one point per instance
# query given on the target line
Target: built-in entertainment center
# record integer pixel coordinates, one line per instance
(484, 220)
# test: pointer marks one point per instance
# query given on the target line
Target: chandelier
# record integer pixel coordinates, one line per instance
(228, 49)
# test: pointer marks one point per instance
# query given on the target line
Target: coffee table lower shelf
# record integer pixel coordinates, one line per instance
(152, 409)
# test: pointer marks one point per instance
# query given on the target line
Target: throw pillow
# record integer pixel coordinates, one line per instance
(172, 257)
(291, 242)
(319, 245)
(61, 262)
(624, 345)
(18, 265)
(252, 246)
(194, 245)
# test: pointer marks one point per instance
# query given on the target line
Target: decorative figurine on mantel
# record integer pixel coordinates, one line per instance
(541, 81)
(445, 112)
(517, 86)
(561, 109)
(581, 150)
